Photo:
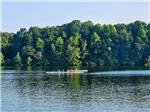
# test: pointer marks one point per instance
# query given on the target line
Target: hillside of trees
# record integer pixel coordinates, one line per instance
(78, 44)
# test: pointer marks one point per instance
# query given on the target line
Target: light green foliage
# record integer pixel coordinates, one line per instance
(77, 43)
(95, 38)
(53, 48)
(28, 51)
(141, 32)
(74, 40)
(59, 41)
(73, 56)
(109, 30)
(84, 50)
(1, 59)
(39, 44)
(29, 61)
(5, 39)
(17, 59)
(59, 46)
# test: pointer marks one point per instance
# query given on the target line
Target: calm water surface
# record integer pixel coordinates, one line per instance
(40, 92)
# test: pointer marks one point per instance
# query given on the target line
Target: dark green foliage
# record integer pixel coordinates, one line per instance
(147, 62)
(77, 43)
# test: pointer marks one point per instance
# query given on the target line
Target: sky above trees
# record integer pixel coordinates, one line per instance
(16, 15)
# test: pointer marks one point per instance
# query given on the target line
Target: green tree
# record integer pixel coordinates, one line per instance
(29, 61)
(17, 59)
(84, 51)
(39, 44)
(147, 62)
(73, 56)
(73, 27)
(78, 43)
(27, 51)
(37, 58)
(2, 61)
(86, 29)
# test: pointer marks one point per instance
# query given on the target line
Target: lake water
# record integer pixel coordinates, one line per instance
(35, 91)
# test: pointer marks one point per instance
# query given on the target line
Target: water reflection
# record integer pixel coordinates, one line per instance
(74, 93)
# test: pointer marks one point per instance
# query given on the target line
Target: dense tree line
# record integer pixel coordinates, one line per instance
(78, 44)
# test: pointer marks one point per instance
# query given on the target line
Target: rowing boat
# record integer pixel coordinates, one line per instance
(67, 72)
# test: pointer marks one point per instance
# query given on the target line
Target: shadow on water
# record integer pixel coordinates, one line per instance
(91, 69)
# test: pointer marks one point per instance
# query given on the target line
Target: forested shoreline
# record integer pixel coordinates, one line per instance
(78, 44)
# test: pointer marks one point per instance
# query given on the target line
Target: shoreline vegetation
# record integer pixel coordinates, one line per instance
(78, 44)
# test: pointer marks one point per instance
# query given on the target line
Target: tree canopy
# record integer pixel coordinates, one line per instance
(78, 44)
